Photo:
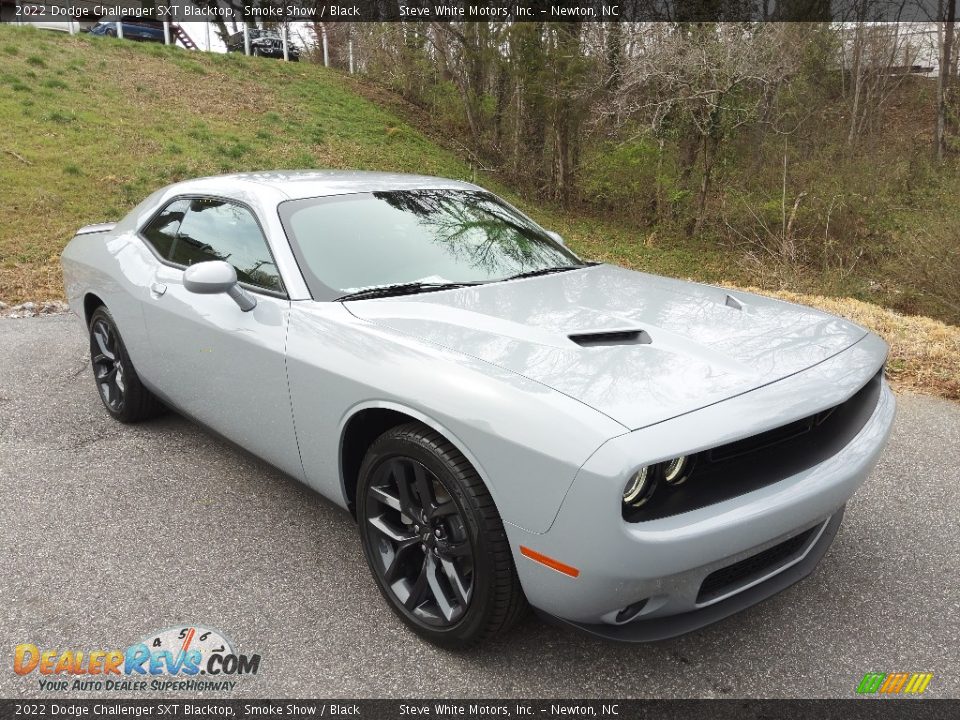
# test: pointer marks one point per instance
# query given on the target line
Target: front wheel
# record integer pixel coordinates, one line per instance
(434, 540)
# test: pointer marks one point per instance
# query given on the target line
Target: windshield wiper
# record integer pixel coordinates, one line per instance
(544, 271)
(410, 288)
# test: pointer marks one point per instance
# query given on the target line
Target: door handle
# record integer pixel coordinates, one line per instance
(158, 288)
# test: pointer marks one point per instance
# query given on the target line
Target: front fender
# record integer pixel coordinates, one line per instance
(525, 440)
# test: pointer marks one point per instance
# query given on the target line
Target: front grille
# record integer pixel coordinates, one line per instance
(722, 581)
(745, 465)
(764, 440)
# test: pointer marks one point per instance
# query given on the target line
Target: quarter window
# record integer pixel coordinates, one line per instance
(162, 230)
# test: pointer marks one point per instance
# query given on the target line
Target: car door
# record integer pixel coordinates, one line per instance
(220, 365)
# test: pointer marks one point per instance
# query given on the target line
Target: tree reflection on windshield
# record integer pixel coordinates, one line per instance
(350, 242)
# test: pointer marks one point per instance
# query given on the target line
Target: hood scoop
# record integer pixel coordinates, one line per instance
(732, 302)
(611, 338)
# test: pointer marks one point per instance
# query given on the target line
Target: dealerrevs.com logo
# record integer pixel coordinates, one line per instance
(178, 658)
(902, 683)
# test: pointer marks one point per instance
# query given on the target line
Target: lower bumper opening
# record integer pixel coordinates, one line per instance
(631, 611)
(731, 578)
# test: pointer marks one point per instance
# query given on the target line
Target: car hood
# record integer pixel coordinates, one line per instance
(678, 346)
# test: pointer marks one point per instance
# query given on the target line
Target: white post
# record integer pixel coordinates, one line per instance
(120, 29)
(70, 28)
(166, 32)
(207, 26)
(326, 51)
(286, 50)
(350, 50)
(246, 39)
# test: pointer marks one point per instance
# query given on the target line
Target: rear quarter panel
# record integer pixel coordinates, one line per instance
(117, 269)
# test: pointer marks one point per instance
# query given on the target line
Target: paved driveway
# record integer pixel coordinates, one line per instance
(110, 532)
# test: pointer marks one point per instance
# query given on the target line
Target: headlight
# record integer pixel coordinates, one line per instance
(643, 484)
(639, 488)
(676, 471)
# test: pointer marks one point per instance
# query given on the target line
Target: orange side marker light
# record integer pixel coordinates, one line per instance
(549, 562)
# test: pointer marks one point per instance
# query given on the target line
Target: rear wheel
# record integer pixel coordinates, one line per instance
(434, 540)
(122, 393)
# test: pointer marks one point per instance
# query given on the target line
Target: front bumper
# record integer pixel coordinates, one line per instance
(666, 561)
(653, 629)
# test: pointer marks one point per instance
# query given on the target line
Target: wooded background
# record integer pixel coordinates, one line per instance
(820, 156)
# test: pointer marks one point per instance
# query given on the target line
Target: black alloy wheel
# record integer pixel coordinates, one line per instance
(119, 386)
(107, 364)
(434, 540)
(422, 550)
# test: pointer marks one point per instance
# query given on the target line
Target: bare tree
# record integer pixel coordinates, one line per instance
(709, 79)
(948, 11)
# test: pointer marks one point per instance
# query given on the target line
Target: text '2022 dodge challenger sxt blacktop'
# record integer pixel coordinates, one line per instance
(632, 455)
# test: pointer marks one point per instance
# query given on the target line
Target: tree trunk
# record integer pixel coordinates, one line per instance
(702, 195)
(614, 57)
(945, 79)
(659, 203)
(857, 81)
(501, 103)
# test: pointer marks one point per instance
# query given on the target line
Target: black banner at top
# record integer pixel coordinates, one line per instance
(484, 10)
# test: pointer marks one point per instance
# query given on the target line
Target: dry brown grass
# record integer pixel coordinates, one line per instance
(924, 353)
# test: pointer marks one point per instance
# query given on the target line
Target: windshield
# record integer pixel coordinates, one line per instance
(347, 243)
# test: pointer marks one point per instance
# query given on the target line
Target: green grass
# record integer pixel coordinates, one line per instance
(95, 125)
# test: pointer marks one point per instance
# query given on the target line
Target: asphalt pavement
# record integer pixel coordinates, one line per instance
(110, 532)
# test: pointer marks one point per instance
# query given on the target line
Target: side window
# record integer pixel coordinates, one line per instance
(218, 230)
(162, 230)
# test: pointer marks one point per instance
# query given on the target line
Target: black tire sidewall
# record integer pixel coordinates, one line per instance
(474, 622)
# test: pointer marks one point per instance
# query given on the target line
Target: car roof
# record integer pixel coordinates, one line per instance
(299, 184)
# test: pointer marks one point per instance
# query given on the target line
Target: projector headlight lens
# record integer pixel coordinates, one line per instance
(676, 471)
(639, 488)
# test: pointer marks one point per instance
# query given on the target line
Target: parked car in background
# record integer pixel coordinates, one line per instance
(263, 43)
(133, 29)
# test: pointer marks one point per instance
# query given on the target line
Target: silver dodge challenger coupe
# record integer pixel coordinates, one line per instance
(631, 455)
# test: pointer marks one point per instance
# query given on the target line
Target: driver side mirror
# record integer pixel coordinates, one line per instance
(556, 237)
(214, 277)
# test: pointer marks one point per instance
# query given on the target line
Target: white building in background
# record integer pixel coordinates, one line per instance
(912, 48)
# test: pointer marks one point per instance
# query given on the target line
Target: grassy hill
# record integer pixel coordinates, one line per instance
(93, 125)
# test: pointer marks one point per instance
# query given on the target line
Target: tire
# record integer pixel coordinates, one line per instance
(110, 33)
(444, 565)
(119, 387)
